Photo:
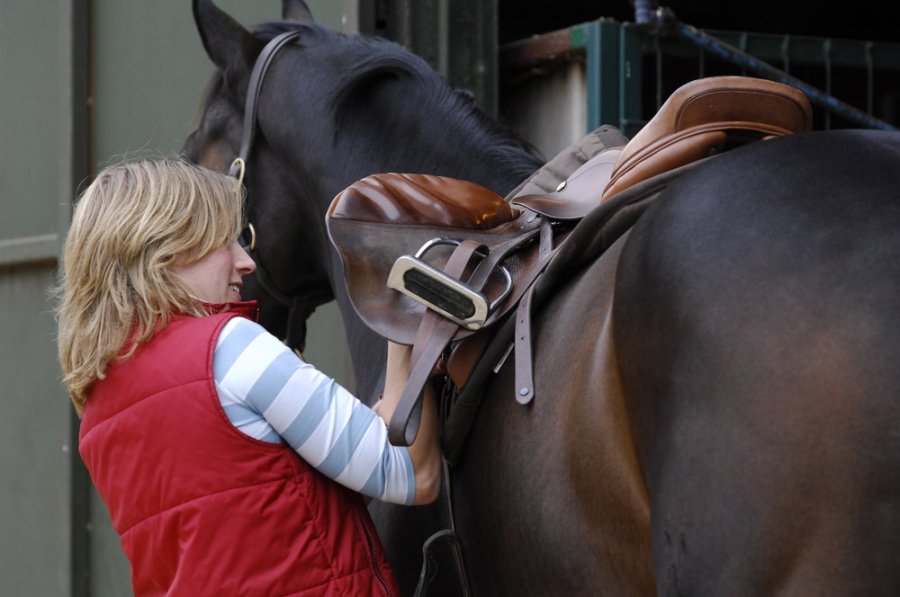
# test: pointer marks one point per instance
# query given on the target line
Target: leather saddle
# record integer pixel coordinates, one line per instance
(430, 260)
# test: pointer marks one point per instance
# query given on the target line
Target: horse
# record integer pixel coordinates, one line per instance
(716, 393)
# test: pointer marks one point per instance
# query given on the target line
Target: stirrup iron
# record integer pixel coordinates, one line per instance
(441, 293)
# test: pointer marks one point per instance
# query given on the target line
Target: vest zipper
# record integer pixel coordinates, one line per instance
(373, 554)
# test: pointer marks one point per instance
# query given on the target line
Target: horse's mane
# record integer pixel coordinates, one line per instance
(369, 59)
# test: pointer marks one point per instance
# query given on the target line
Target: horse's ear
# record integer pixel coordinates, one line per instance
(296, 10)
(227, 43)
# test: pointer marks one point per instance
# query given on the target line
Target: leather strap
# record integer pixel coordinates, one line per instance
(300, 305)
(435, 333)
(254, 88)
(522, 343)
(432, 337)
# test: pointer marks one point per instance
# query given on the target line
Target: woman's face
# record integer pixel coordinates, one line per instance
(217, 277)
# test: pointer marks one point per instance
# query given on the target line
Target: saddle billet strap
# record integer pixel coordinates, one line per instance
(432, 337)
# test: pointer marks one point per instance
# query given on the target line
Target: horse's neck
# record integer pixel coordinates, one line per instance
(367, 349)
(420, 145)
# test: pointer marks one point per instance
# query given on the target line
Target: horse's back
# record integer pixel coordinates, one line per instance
(757, 330)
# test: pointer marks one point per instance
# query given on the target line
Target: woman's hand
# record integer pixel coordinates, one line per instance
(425, 450)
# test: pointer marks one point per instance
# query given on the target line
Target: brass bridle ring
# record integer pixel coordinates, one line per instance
(252, 228)
(237, 169)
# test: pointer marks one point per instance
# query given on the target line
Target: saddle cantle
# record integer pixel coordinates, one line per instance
(705, 117)
(472, 257)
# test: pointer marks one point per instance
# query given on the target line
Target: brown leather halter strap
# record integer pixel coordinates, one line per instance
(298, 307)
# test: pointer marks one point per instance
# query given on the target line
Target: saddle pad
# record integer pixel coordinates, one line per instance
(421, 199)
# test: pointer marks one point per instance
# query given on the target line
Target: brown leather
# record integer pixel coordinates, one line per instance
(464, 357)
(374, 221)
(432, 337)
(421, 199)
(382, 217)
(684, 129)
(578, 194)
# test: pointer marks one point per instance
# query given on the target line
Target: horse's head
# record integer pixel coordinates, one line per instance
(295, 268)
(331, 110)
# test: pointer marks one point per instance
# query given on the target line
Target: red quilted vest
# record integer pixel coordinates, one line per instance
(203, 509)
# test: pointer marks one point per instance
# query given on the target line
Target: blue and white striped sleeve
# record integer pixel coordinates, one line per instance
(271, 394)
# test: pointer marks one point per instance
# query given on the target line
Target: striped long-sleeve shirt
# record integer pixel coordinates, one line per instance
(272, 395)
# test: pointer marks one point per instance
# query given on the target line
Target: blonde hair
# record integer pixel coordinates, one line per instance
(116, 288)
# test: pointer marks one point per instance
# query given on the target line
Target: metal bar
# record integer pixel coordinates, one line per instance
(804, 51)
(80, 167)
(826, 60)
(870, 77)
(599, 108)
(743, 48)
(657, 53)
(701, 63)
(786, 54)
(736, 56)
(630, 81)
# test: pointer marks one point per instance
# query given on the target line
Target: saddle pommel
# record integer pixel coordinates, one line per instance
(421, 199)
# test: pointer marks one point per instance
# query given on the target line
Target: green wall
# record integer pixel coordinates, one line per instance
(85, 82)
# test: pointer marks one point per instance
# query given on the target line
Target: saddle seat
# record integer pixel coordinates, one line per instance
(705, 117)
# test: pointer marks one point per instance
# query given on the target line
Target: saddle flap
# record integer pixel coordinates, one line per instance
(389, 217)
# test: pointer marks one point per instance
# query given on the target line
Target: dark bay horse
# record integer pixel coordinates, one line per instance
(717, 405)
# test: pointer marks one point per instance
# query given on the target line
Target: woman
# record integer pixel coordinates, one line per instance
(229, 466)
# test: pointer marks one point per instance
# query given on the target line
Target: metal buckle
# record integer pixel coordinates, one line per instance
(439, 292)
(248, 244)
(237, 169)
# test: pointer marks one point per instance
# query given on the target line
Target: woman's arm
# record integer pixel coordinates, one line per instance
(425, 450)
(270, 394)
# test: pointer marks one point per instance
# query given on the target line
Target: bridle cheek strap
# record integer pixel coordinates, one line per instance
(254, 87)
(238, 170)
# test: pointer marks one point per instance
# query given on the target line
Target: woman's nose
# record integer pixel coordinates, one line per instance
(242, 260)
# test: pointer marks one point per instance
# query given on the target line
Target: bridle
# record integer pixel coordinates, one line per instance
(298, 305)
